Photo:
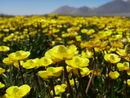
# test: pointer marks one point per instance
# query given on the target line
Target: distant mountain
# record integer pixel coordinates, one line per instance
(65, 10)
(115, 7)
(82, 11)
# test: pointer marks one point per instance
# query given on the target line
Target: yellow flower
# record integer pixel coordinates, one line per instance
(112, 58)
(127, 48)
(106, 33)
(18, 55)
(78, 62)
(45, 74)
(84, 31)
(44, 61)
(57, 97)
(1, 85)
(23, 90)
(114, 75)
(60, 52)
(72, 82)
(4, 48)
(123, 66)
(50, 72)
(8, 61)
(57, 53)
(128, 82)
(91, 31)
(85, 71)
(71, 51)
(59, 89)
(112, 50)
(6, 30)
(55, 70)
(16, 64)
(121, 52)
(83, 54)
(78, 38)
(2, 70)
(69, 69)
(17, 92)
(127, 57)
(31, 63)
(89, 54)
(128, 72)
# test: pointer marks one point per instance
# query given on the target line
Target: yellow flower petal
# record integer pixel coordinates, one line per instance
(44, 61)
(56, 71)
(4, 48)
(59, 89)
(45, 74)
(120, 66)
(7, 61)
(60, 52)
(112, 58)
(11, 91)
(31, 63)
(114, 75)
(121, 52)
(17, 92)
(128, 82)
(19, 55)
(128, 72)
(2, 70)
(23, 90)
(85, 71)
(78, 62)
(1, 85)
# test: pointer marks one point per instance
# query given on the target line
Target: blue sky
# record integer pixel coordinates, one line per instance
(27, 7)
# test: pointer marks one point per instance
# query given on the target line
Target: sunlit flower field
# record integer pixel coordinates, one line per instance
(64, 57)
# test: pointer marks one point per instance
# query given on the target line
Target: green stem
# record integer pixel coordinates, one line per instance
(21, 72)
(48, 90)
(37, 80)
(68, 82)
(81, 84)
(90, 79)
(108, 80)
(52, 85)
(126, 88)
(10, 76)
(76, 89)
(15, 76)
(89, 83)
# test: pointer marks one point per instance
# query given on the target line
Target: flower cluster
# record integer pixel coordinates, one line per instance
(64, 57)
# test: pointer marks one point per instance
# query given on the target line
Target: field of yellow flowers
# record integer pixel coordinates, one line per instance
(64, 57)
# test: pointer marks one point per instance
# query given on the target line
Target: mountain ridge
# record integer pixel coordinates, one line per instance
(115, 7)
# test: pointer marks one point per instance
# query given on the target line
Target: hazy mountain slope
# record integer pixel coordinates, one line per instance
(65, 10)
(115, 7)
